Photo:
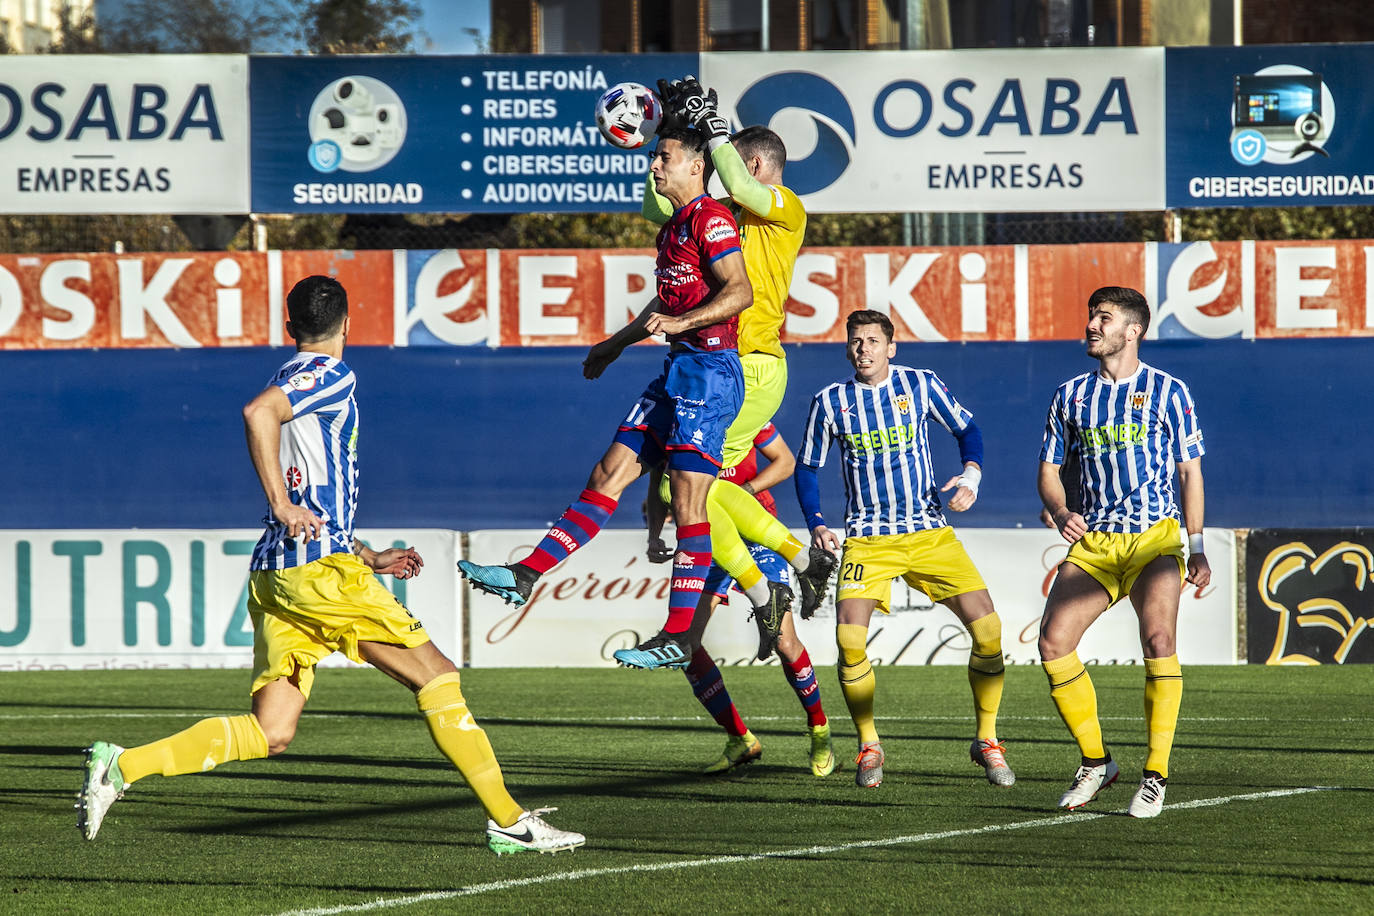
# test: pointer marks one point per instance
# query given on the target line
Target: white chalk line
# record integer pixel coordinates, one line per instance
(611, 720)
(508, 884)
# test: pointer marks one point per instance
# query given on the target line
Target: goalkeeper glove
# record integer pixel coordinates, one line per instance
(698, 108)
(669, 95)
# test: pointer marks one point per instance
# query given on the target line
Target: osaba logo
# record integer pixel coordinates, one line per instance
(831, 117)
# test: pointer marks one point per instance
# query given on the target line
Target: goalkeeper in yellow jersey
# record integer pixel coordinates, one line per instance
(772, 223)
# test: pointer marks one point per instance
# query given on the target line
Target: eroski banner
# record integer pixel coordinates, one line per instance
(173, 599)
(163, 133)
(958, 131)
(608, 596)
(576, 297)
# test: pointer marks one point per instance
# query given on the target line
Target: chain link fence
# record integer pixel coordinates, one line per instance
(91, 233)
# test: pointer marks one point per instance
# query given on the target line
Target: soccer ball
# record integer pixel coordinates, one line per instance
(628, 115)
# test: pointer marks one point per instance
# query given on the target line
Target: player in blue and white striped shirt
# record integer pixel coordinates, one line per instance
(313, 592)
(318, 461)
(1131, 426)
(895, 526)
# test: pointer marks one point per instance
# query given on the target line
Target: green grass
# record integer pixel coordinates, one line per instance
(363, 809)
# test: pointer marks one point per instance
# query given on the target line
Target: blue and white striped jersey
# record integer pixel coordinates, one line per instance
(319, 459)
(1128, 435)
(889, 484)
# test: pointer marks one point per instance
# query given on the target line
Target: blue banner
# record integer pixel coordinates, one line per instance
(498, 134)
(1267, 126)
(502, 438)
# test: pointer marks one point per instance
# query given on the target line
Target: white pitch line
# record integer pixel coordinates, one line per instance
(491, 886)
(610, 720)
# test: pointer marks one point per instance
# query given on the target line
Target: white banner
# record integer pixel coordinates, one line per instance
(160, 133)
(172, 599)
(958, 131)
(608, 596)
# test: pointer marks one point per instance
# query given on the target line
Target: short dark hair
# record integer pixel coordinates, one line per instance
(868, 316)
(762, 142)
(316, 307)
(1130, 301)
(694, 141)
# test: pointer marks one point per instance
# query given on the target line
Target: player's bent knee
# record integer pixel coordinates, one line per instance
(789, 647)
(278, 739)
(1158, 645)
(1051, 649)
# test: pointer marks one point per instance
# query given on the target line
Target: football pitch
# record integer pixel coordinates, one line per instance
(1269, 809)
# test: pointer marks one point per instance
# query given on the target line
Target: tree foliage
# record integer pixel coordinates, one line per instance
(240, 27)
(360, 26)
(201, 27)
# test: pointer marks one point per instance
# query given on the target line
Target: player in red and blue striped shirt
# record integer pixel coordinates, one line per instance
(683, 414)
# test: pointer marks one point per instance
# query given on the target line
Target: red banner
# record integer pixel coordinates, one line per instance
(576, 297)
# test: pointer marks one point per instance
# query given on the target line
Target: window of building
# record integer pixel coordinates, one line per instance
(570, 26)
(735, 26)
(832, 25)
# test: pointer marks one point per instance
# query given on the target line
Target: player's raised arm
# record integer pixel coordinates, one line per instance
(698, 107)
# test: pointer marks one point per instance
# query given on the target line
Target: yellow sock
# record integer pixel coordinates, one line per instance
(1163, 695)
(464, 743)
(727, 550)
(986, 672)
(857, 681)
(199, 748)
(1072, 691)
(754, 522)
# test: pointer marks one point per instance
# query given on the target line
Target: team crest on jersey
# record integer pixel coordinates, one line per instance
(1138, 400)
(303, 381)
(903, 403)
(293, 477)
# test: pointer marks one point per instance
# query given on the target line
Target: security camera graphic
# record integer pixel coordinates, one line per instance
(357, 124)
(1280, 115)
(352, 94)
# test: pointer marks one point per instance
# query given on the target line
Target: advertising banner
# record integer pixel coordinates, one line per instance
(1269, 126)
(493, 134)
(1309, 599)
(608, 596)
(958, 131)
(173, 599)
(164, 133)
(1213, 290)
(222, 299)
(576, 297)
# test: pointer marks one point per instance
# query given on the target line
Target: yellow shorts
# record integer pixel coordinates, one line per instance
(765, 382)
(933, 561)
(307, 613)
(1116, 559)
